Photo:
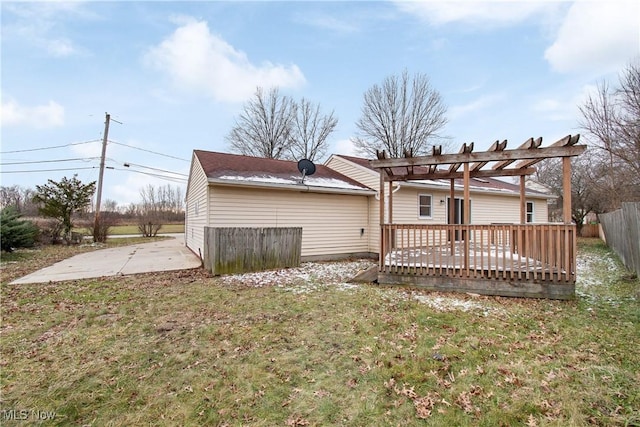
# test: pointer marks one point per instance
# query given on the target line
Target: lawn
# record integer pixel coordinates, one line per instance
(120, 230)
(302, 347)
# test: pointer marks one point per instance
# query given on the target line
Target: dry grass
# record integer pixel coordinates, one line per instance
(301, 347)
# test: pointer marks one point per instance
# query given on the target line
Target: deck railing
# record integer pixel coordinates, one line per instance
(496, 251)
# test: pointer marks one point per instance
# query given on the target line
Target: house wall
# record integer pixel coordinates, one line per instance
(485, 208)
(371, 180)
(354, 171)
(331, 223)
(196, 209)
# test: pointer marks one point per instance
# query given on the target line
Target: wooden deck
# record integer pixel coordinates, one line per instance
(498, 259)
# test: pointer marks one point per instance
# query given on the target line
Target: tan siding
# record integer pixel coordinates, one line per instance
(489, 208)
(485, 208)
(405, 207)
(540, 210)
(364, 176)
(196, 197)
(331, 222)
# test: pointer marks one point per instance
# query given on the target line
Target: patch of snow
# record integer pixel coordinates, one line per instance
(315, 276)
(442, 303)
(308, 277)
(295, 180)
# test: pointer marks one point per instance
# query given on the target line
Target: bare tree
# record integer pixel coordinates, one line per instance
(589, 190)
(310, 131)
(403, 115)
(19, 197)
(611, 121)
(109, 205)
(264, 126)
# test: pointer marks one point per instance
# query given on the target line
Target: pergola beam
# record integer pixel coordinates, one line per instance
(496, 146)
(567, 141)
(464, 149)
(486, 156)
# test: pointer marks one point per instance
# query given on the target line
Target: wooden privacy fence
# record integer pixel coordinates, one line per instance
(241, 250)
(590, 230)
(531, 252)
(622, 231)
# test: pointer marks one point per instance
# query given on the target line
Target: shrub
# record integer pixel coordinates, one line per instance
(50, 231)
(149, 224)
(15, 232)
(100, 229)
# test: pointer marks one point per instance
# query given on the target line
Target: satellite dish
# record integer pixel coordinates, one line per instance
(306, 168)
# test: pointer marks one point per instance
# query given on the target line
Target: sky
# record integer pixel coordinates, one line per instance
(174, 75)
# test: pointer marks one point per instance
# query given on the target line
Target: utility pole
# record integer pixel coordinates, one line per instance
(96, 221)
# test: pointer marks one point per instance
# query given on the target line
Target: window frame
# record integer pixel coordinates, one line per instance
(530, 215)
(420, 205)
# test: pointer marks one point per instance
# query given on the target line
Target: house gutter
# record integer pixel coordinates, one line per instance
(291, 187)
(481, 190)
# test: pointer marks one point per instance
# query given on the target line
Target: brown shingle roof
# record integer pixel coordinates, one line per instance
(235, 167)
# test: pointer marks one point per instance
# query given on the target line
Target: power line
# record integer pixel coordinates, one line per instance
(49, 170)
(168, 178)
(149, 151)
(126, 164)
(49, 148)
(49, 161)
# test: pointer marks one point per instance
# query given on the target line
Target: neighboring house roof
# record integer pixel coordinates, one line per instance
(490, 185)
(235, 169)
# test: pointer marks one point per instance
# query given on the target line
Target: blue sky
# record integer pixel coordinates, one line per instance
(176, 74)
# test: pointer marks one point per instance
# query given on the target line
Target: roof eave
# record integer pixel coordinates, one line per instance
(472, 189)
(290, 187)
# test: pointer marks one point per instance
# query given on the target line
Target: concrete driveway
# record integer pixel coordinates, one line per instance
(163, 255)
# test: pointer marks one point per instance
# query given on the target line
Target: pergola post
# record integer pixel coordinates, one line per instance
(452, 214)
(467, 196)
(382, 245)
(566, 189)
(390, 208)
(467, 215)
(523, 205)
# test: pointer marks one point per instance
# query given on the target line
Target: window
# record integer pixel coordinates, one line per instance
(424, 205)
(529, 212)
(197, 208)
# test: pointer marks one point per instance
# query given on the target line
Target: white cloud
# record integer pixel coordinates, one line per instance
(474, 13)
(596, 35)
(198, 60)
(92, 149)
(555, 109)
(40, 116)
(346, 147)
(328, 22)
(479, 104)
(42, 25)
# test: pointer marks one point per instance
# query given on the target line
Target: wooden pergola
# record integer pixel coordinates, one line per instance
(531, 260)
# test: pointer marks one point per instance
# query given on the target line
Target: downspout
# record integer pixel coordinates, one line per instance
(377, 196)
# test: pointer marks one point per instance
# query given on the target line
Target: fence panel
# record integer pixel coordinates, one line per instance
(240, 250)
(590, 230)
(622, 232)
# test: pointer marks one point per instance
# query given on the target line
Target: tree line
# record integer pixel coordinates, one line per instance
(49, 212)
(608, 173)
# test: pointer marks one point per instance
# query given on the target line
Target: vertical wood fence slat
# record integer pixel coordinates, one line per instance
(622, 232)
(240, 250)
